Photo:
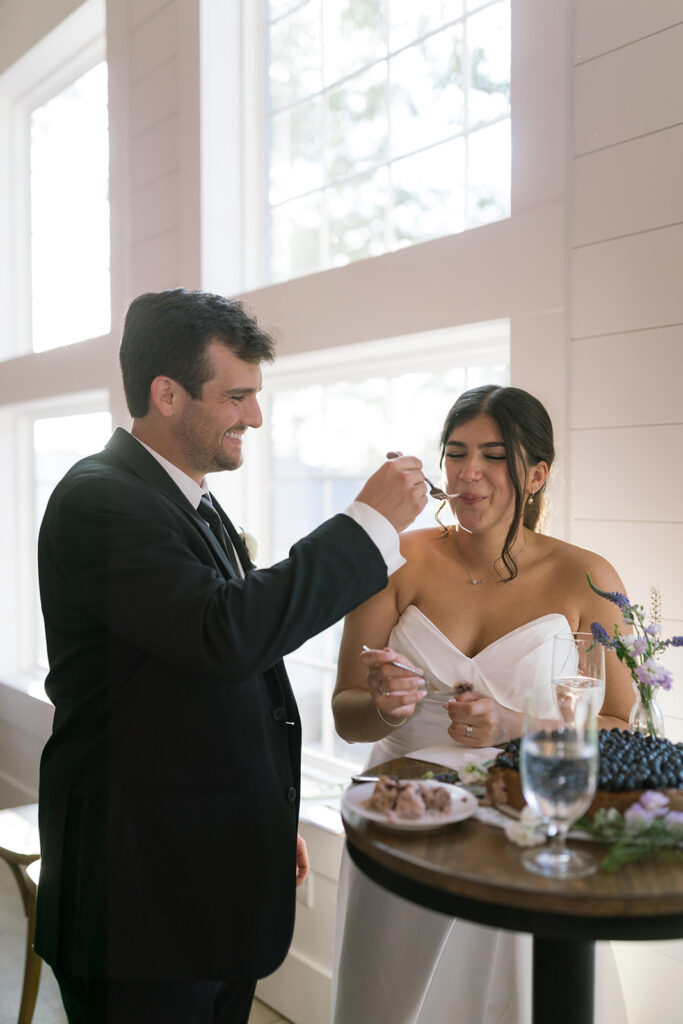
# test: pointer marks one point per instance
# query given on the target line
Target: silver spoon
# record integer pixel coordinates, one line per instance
(435, 491)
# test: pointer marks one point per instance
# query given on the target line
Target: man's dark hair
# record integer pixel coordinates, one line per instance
(168, 333)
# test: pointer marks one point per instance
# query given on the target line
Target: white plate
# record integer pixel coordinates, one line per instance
(463, 805)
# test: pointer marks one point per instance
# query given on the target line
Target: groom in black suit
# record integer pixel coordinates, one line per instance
(169, 788)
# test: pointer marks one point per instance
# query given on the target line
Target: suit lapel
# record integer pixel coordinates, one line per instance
(126, 448)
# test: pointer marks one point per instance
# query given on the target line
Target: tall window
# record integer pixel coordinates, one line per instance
(389, 124)
(329, 420)
(69, 204)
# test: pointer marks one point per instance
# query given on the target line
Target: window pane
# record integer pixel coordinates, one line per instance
(296, 141)
(488, 38)
(429, 193)
(357, 123)
(296, 237)
(70, 214)
(410, 20)
(357, 217)
(295, 58)
(354, 36)
(427, 98)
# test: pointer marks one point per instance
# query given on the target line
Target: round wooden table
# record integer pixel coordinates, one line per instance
(471, 870)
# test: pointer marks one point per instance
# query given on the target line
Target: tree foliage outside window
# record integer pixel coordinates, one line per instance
(389, 124)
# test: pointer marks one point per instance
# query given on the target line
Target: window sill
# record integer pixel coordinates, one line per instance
(24, 705)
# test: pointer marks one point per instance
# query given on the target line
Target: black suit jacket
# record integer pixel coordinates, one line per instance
(169, 786)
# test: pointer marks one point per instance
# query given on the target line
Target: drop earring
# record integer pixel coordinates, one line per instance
(531, 500)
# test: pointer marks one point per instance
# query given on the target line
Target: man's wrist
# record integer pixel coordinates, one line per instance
(380, 531)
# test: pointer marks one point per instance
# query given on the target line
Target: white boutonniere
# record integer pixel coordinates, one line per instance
(251, 544)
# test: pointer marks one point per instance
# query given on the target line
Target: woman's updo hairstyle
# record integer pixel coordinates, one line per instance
(528, 437)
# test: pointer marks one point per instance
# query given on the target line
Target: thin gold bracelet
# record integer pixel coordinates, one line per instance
(393, 725)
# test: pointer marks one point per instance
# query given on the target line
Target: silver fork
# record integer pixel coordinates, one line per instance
(431, 689)
(435, 491)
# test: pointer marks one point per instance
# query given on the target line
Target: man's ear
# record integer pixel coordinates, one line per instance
(166, 396)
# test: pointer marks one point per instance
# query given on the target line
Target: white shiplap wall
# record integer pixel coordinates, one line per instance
(625, 307)
(626, 301)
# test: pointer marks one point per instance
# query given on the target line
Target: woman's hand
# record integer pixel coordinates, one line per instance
(395, 691)
(479, 721)
(302, 863)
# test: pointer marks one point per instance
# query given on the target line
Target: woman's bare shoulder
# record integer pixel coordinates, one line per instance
(416, 544)
(575, 562)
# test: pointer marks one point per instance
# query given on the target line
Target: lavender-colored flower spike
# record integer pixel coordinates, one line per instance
(600, 635)
(614, 596)
(673, 641)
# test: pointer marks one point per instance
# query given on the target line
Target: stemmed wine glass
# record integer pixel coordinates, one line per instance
(578, 675)
(558, 765)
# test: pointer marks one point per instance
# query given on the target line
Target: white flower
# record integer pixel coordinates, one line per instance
(250, 543)
(473, 774)
(528, 831)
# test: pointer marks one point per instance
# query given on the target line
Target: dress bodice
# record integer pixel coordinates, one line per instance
(504, 670)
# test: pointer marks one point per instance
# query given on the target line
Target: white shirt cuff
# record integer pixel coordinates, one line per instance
(380, 531)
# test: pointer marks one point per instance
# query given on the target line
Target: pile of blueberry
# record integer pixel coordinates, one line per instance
(628, 760)
(631, 760)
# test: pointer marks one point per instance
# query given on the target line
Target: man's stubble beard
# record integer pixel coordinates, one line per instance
(204, 458)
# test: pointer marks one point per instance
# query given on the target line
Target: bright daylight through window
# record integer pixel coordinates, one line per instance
(389, 124)
(326, 438)
(69, 159)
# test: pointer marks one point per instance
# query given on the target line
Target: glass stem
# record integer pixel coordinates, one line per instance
(558, 840)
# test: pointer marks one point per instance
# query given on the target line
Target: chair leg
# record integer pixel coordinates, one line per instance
(32, 967)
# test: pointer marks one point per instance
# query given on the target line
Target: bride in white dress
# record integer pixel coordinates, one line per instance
(477, 603)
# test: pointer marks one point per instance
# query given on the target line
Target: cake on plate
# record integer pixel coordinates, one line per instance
(629, 764)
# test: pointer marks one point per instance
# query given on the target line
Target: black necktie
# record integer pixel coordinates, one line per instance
(210, 516)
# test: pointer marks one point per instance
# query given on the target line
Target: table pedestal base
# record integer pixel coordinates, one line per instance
(563, 981)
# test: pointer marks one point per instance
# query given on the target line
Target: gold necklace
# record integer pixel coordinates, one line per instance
(485, 579)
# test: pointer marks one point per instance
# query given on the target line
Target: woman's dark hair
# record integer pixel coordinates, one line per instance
(528, 437)
(168, 333)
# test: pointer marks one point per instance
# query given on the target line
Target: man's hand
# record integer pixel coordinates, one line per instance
(397, 490)
(302, 865)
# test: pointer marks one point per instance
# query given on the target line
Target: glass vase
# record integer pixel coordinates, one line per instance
(646, 715)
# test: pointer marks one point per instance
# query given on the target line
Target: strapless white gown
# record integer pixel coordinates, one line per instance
(396, 963)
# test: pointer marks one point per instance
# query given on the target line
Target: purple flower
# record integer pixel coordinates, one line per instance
(648, 672)
(638, 818)
(614, 596)
(651, 800)
(653, 628)
(600, 635)
(634, 644)
(664, 678)
(674, 641)
(673, 820)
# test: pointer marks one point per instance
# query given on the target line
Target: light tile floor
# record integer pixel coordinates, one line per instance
(49, 1008)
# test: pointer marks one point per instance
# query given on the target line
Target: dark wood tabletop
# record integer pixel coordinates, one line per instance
(472, 870)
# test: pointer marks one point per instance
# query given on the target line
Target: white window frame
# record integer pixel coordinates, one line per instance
(233, 145)
(66, 53)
